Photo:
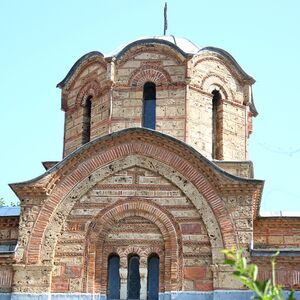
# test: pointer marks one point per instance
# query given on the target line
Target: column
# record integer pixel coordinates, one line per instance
(143, 274)
(123, 277)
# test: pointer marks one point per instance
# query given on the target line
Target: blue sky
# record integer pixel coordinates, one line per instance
(41, 40)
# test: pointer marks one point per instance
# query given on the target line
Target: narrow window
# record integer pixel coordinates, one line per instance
(113, 280)
(133, 279)
(149, 105)
(86, 127)
(216, 125)
(153, 277)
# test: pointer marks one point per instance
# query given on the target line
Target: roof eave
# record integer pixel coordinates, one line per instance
(76, 65)
(246, 77)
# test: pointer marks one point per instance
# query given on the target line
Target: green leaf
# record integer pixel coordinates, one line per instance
(237, 273)
(244, 263)
(229, 262)
(253, 270)
(291, 296)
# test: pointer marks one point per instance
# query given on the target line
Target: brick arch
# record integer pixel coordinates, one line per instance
(151, 73)
(111, 215)
(213, 79)
(90, 89)
(163, 160)
(191, 192)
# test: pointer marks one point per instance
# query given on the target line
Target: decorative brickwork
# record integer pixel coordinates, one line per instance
(91, 89)
(149, 73)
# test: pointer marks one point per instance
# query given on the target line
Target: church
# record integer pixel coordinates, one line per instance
(154, 182)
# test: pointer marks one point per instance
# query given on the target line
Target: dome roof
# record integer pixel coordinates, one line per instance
(184, 45)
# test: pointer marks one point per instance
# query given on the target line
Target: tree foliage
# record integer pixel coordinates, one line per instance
(3, 203)
(247, 275)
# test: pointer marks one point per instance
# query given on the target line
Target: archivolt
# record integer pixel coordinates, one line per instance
(151, 73)
(90, 89)
(55, 224)
(112, 214)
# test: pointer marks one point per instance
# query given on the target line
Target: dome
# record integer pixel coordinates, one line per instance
(183, 45)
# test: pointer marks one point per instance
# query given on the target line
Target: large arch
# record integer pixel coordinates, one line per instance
(158, 155)
(189, 189)
(111, 215)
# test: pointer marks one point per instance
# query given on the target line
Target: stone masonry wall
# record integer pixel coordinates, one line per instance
(234, 132)
(277, 232)
(168, 75)
(183, 99)
(209, 73)
(8, 235)
(239, 206)
(287, 270)
(86, 83)
(199, 125)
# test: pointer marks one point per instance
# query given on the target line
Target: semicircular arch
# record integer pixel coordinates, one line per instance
(188, 188)
(211, 80)
(169, 228)
(149, 73)
(91, 89)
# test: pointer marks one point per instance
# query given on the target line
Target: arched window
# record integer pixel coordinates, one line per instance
(113, 280)
(153, 277)
(86, 126)
(216, 125)
(149, 105)
(133, 277)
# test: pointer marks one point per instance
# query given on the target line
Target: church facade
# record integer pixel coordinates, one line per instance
(154, 182)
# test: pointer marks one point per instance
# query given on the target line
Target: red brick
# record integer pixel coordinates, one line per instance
(191, 228)
(194, 273)
(203, 286)
(60, 285)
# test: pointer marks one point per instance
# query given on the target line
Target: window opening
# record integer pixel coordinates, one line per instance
(86, 128)
(149, 105)
(133, 279)
(113, 282)
(153, 277)
(216, 125)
